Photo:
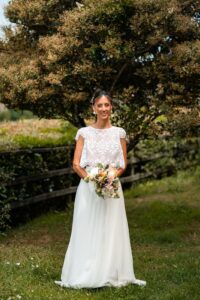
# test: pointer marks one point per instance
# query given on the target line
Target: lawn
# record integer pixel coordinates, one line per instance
(35, 133)
(164, 223)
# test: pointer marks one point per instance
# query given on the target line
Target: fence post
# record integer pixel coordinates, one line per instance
(132, 166)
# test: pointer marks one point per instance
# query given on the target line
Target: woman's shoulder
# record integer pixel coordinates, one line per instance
(81, 132)
(121, 131)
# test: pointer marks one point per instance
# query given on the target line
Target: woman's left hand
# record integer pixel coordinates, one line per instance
(113, 173)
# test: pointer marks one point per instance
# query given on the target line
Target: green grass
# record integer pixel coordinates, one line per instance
(173, 185)
(35, 133)
(164, 224)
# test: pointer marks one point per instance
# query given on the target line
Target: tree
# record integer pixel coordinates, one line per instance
(146, 52)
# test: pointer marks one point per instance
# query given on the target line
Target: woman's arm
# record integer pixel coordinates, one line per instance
(120, 171)
(77, 157)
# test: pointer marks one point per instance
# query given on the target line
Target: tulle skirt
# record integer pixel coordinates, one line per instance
(99, 252)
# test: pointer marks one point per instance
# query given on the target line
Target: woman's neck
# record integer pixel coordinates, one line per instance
(102, 124)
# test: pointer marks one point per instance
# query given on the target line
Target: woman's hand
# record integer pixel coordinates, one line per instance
(113, 173)
(77, 157)
(120, 171)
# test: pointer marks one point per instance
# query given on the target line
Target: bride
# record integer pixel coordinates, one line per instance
(99, 251)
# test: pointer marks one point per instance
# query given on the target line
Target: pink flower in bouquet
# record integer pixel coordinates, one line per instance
(105, 181)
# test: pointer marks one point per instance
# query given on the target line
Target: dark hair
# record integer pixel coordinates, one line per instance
(98, 94)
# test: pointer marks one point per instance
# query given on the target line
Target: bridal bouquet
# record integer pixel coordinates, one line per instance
(105, 182)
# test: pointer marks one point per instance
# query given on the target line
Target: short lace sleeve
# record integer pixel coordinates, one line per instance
(122, 133)
(80, 132)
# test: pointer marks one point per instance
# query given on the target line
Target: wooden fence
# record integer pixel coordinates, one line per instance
(135, 172)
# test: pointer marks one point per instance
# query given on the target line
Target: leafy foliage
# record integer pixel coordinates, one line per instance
(146, 52)
(20, 164)
(13, 115)
(4, 203)
(170, 156)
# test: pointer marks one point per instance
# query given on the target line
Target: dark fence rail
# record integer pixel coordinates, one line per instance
(137, 170)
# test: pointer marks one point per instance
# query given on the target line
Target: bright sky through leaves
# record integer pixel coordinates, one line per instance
(3, 20)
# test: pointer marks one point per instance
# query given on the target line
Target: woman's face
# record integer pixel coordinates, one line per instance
(102, 108)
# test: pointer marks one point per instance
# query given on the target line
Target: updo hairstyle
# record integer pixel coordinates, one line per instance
(98, 94)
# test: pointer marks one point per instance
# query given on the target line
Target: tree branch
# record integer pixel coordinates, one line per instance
(117, 77)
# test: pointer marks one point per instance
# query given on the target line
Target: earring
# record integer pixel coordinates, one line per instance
(94, 112)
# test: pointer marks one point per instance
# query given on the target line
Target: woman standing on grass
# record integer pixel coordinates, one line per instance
(99, 252)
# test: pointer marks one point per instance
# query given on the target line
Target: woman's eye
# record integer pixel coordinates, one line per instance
(101, 105)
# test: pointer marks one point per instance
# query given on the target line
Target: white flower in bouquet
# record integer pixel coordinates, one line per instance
(105, 181)
(94, 171)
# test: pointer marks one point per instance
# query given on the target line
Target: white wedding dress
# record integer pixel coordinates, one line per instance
(99, 252)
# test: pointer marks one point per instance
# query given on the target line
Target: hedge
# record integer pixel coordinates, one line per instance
(17, 164)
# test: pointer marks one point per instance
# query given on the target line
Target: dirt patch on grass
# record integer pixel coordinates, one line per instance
(189, 197)
(35, 238)
(193, 234)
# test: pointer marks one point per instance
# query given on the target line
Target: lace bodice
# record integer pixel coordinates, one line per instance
(101, 146)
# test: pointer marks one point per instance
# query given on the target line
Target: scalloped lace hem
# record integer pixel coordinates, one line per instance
(110, 283)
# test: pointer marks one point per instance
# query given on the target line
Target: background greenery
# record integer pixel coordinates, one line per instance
(15, 165)
(13, 115)
(32, 134)
(29, 133)
(146, 52)
(170, 155)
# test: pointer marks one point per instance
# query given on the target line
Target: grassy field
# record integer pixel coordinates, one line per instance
(164, 223)
(35, 133)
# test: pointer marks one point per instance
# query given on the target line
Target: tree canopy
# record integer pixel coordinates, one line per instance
(145, 52)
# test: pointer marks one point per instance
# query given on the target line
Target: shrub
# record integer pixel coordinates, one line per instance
(14, 115)
(27, 163)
